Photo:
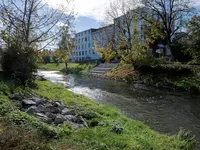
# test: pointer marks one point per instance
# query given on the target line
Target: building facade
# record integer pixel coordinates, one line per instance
(122, 29)
(84, 47)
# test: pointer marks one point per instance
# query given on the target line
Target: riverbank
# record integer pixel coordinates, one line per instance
(107, 128)
(74, 68)
(175, 76)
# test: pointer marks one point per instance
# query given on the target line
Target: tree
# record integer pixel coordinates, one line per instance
(29, 25)
(157, 20)
(193, 38)
(65, 45)
(126, 16)
(171, 14)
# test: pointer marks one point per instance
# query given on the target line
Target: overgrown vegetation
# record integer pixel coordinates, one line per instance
(175, 76)
(108, 129)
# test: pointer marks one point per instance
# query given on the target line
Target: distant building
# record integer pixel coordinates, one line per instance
(122, 28)
(84, 47)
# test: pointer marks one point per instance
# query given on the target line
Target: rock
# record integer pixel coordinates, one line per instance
(75, 125)
(53, 109)
(58, 104)
(32, 110)
(80, 120)
(28, 102)
(71, 118)
(43, 109)
(17, 96)
(43, 118)
(52, 116)
(59, 119)
(37, 100)
(41, 78)
(66, 111)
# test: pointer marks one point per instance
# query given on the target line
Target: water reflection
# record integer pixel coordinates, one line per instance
(163, 111)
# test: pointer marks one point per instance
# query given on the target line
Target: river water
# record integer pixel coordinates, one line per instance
(163, 111)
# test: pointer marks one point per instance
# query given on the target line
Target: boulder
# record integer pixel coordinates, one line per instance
(71, 118)
(43, 118)
(52, 109)
(27, 102)
(43, 109)
(59, 119)
(58, 104)
(32, 110)
(66, 111)
(80, 120)
(75, 125)
(52, 116)
(37, 100)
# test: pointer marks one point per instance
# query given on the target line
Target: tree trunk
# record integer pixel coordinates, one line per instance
(66, 65)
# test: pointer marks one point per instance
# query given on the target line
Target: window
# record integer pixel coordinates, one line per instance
(93, 52)
(89, 45)
(82, 46)
(76, 53)
(78, 40)
(79, 47)
(85, 52)
(82, 52)
(82, 39)
(85, 39)
(89, 51)
(79, 53)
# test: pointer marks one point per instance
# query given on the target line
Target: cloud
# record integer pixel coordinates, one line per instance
(197, 2)
(90, 8)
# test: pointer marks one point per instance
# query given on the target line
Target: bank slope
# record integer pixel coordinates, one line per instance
(108, 129)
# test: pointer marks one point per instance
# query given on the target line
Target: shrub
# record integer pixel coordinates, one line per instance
(46, 59)
(171, 71)
(19, 64)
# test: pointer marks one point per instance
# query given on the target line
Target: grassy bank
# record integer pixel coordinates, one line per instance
(76, 68)
(174, 76)
(108, 129)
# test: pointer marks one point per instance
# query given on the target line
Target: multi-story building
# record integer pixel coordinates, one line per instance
(84, 47)
(122, 29)
(86, 40)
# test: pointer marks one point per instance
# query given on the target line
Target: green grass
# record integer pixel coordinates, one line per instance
(108, 128)
(75, 68)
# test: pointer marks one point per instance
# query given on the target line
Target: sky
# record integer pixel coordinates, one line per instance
(89, 13)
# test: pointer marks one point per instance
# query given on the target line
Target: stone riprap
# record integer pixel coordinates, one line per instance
(48, 111)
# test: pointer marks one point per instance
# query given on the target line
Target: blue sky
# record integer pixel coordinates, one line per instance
(84, 22)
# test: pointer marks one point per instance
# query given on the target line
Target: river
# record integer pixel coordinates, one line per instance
(163, 111)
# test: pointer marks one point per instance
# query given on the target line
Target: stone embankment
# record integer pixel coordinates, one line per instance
(48, 111)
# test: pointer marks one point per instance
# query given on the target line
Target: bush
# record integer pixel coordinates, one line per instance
(171, 71)
(179, 53)
(19, 64)
(46, 59)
